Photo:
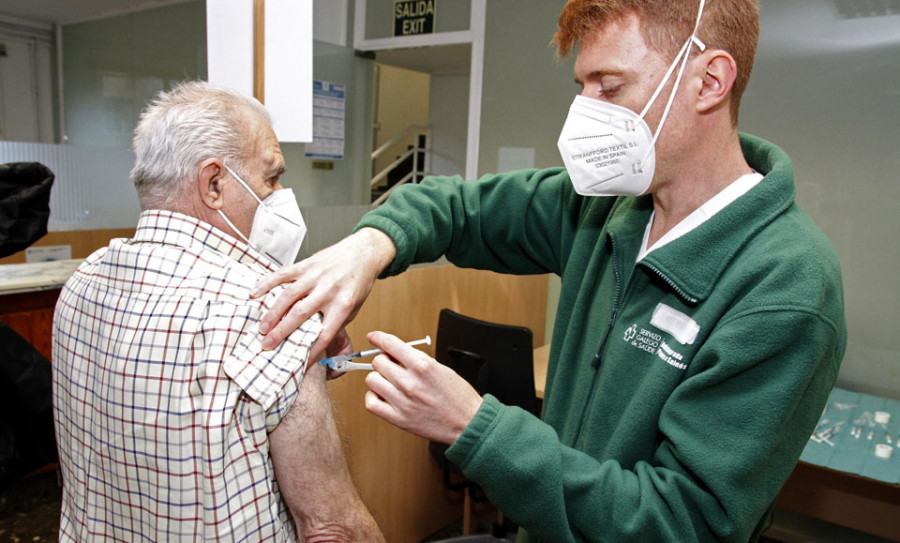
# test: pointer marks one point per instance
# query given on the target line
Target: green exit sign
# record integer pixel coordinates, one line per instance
(413, 17)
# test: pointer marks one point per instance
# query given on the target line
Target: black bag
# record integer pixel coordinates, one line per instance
(24, 204)
(27, 440)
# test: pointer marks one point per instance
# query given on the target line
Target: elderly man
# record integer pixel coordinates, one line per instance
(700, 324)
(172, 422)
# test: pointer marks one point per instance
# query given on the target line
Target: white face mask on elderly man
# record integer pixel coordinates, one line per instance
(278, 227)
(609, 150)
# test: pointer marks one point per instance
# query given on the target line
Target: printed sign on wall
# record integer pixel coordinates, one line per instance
(413, 17)
(329, 108)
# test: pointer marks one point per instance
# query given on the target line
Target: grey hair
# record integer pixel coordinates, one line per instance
(183, 127)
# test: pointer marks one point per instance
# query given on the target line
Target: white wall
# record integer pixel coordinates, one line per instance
(91, 189)
(526, 92)
(825, 88)
(402, 101)
(26, 81)
(449, 120)
(330, 21)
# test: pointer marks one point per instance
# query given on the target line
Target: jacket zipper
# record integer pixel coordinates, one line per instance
(595, 362)
(676, 288)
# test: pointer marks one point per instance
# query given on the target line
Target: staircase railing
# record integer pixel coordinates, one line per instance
(417, 158)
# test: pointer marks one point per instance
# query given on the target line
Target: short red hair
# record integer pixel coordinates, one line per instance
(729, 25)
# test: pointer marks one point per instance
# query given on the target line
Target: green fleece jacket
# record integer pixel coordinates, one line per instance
(682, 389)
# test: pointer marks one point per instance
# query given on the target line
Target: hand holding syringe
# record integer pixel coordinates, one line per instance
(342, 362)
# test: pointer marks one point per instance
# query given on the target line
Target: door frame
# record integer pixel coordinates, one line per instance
(473, 36)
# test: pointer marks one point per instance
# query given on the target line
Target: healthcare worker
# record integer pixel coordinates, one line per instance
(700, 325)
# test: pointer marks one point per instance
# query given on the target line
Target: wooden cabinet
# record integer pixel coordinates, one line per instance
(30, 314)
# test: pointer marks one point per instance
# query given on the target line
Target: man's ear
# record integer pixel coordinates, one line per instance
(717, 82)
(209, 183)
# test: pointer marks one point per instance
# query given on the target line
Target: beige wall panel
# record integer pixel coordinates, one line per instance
(83, 242)
(392, 469)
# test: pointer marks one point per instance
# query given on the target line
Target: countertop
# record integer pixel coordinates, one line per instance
(16, 278)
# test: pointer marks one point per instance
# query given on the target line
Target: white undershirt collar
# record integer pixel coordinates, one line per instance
(717, 203)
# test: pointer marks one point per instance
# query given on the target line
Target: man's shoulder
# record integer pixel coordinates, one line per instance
(162, 269)
(221, 277)
(793, 264)
(795, 237)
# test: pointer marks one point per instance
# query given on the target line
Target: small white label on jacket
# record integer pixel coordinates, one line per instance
(682, 327)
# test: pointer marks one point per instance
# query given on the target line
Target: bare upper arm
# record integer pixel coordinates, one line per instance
(312, 473)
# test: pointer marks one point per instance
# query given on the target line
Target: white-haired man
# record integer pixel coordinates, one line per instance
(172, 422)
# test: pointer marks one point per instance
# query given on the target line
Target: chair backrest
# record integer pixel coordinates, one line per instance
(494, 358)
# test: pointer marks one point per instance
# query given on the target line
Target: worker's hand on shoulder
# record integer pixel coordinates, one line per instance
(334, 282)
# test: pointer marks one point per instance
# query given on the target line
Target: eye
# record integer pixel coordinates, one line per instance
(273, 180)
(609, 89)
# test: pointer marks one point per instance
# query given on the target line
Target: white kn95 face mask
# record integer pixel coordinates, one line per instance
(278, 227)
(608, 149)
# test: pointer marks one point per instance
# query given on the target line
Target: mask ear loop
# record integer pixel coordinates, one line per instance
(221, 214)
(241, 181)
(665, 78)
(686, 52)
(233, 227)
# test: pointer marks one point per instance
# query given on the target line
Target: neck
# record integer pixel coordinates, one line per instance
(713, 164)
(195, 208)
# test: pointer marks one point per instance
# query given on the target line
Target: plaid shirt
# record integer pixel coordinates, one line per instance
(163, 397)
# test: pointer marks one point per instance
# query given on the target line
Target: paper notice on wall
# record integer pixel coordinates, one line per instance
(329, 107)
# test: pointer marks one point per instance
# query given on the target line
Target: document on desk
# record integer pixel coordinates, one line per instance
(850, 431)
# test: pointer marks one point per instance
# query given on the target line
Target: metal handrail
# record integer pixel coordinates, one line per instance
(390, 167)
(414, 152)
(418, 128)
(388, 192)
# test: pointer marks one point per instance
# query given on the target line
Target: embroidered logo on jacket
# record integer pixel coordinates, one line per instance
(644, 340)
(671, 357)
(631, 332)
(679, 326)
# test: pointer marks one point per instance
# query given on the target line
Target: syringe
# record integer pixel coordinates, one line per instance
(342, 362)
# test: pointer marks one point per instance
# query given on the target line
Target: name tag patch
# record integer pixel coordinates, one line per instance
(683, 328)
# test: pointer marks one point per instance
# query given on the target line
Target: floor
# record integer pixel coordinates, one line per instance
(29, 513)
(454, 530)
(29, 510)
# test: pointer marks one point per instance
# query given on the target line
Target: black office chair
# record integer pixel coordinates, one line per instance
(495, 359)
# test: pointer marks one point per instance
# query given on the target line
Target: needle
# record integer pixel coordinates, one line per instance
(342, 362)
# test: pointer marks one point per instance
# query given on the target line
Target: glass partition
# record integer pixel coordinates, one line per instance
(112, 67)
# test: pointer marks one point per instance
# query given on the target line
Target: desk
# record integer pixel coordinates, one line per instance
(841, 480)
(37, 276)
(28, 294)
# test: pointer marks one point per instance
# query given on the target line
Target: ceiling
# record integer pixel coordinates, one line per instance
(71, 11)
(447, 59)
(453, 59)
(829, 26)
